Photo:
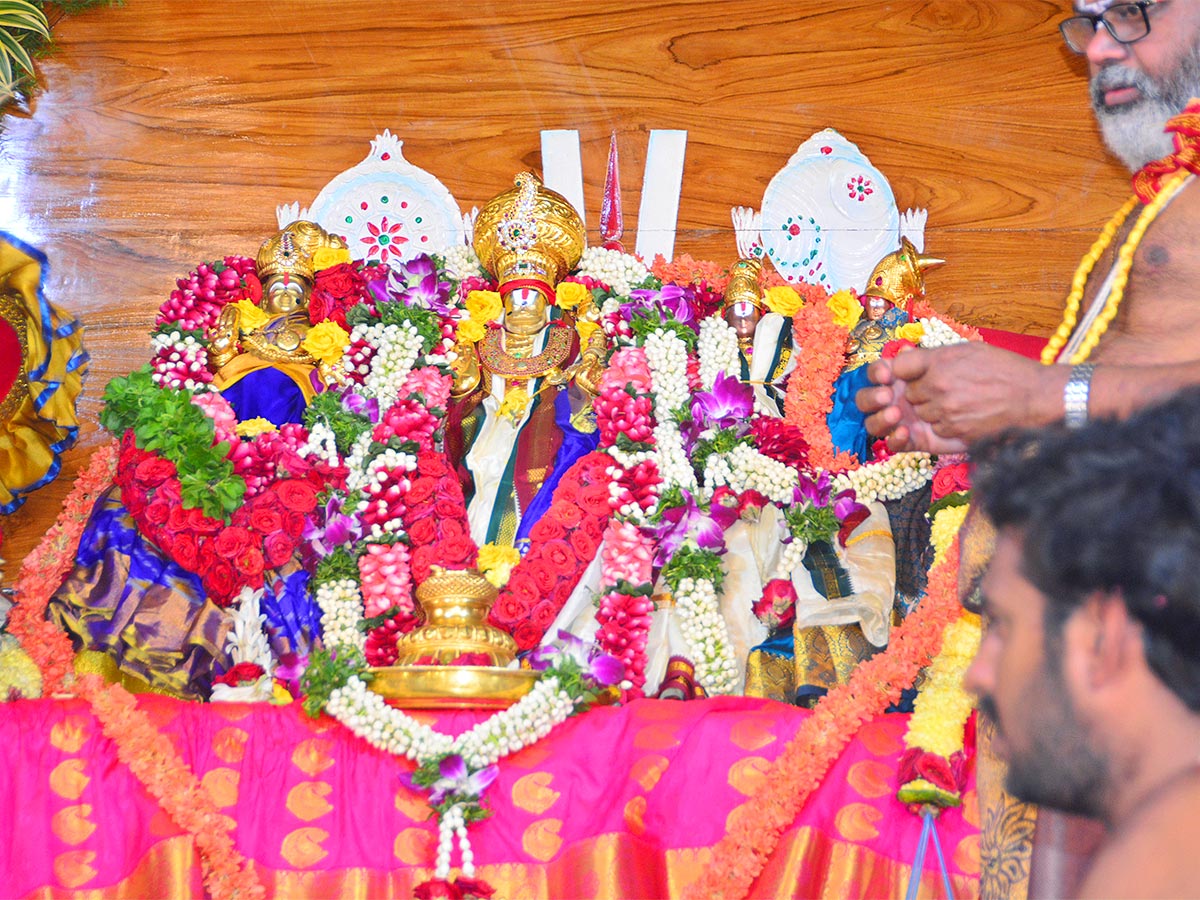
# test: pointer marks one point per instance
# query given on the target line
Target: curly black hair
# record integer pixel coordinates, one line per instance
(1112, 507)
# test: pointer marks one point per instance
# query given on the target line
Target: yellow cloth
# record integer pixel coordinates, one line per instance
(31, 439)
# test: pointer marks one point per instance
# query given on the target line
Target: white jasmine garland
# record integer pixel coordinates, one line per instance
(938, 334)
(461, 262)
(889, 479)
(620, 271)
(744, 468)
(666, 355)
(707, 635)
(341, 610)
(174, 352)
(397, 348)
(718, 350)
(321, 445)
(791, 559)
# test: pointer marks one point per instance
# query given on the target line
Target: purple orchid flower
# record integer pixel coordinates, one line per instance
(362, 406)
(339, 530)
(673, 300)
(845, 503)
(458, 779)
(814, 491)
(728, 405)
(417, 284)
(707, 529)
(603, 668)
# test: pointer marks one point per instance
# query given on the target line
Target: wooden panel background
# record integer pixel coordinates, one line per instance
(168, 130)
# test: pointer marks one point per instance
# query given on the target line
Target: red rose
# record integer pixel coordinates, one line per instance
(437, 889)
(186, 550)
(951, 480)
(891, 348)
(880, 451)
(474, 887)
(221, 583)
(233, 540)
(457, 551)
(153, 471)
(208, 555)
(432, 464)
(546, 529)
(420, 490)
(278, 548)
(296, 495)
(560, 556)
(527, 635)
(177, 519)
(594, 499)
(777, 606)
(171, 491)
(568, 489)
(158, 512)
(543, 575)
(449, 509)
(265, 520)
(544, 614)
(422, 532)
(295, 525)
(507, 608)
(243, 671)
(584, 545)
(521, 586)
(198, 522)
(451, 528)
(423, 557)
(568, 514)
(593, 527)
(250, 562)
(321, 306)
(563, 591)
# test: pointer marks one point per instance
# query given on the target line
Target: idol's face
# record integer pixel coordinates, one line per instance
(1136, 87)
(524, 311)
(1017, 677)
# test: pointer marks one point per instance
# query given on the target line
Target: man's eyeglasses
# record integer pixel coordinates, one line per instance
(1126, 23)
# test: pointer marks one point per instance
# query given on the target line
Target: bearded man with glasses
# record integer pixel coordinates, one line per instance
(1131, 330)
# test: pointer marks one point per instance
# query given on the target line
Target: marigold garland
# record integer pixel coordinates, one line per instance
(45, 568)
(821, 344)
(756, 826)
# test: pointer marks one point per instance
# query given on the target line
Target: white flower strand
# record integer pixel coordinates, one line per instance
(791, 559)
(666, 355)
(320, 444)
(718, 350)
(341, 610)
(938, 334)
(746, 469)
(889, 479)
(707, 635)
(461, 262)
(618, 270)
(397, 348)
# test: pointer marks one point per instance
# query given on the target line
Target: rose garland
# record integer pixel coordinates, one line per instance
(756, 826)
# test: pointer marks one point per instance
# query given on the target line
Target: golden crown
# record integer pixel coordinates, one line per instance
(529, 232)
(290, 252)
(900, 276)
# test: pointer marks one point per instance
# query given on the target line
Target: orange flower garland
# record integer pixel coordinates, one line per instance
(153, 760)
(820, 344)
(45, 568)
(684, 269)
(756, 825)
(140, 745)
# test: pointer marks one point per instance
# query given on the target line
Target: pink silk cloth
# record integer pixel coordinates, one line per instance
(619, 802)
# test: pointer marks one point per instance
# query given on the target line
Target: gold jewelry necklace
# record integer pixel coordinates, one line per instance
(499, 362)
(1120, 276)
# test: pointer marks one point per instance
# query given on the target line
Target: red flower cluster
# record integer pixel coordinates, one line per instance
(242, 672)
(949, 775)
(410, 420)
(340, 287)
(780, 440)
(262, 534)
(777, 606)
(624, 622)
(619, 412)
(951, 479)
(460, 889)
(197, 300)
(564, 542)
(436, 518)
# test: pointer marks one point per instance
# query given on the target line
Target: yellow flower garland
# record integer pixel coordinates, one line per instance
(1120, 279)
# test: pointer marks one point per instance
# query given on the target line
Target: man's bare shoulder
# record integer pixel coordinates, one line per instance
(1154, 857)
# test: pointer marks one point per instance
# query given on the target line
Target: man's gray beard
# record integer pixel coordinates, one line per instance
(1134, 131)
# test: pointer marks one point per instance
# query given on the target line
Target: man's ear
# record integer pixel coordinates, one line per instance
(1110, 639)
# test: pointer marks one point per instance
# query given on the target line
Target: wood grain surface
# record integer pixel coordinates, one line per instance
(167, 132)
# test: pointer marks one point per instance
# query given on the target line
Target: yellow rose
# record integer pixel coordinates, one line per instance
(845, 308)
(327, 341)
(913, 331)
(252, 427)
(483, 306)
(586, 329)
(327, 257)
(514, 404)
(251, 317)
(783, 300)
(570, 294)
(471, 330)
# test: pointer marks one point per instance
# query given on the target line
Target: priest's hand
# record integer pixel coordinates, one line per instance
(942, 399)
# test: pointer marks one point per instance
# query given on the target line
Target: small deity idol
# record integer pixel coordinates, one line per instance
(895, 283)
(523, 391)
(259, 363)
